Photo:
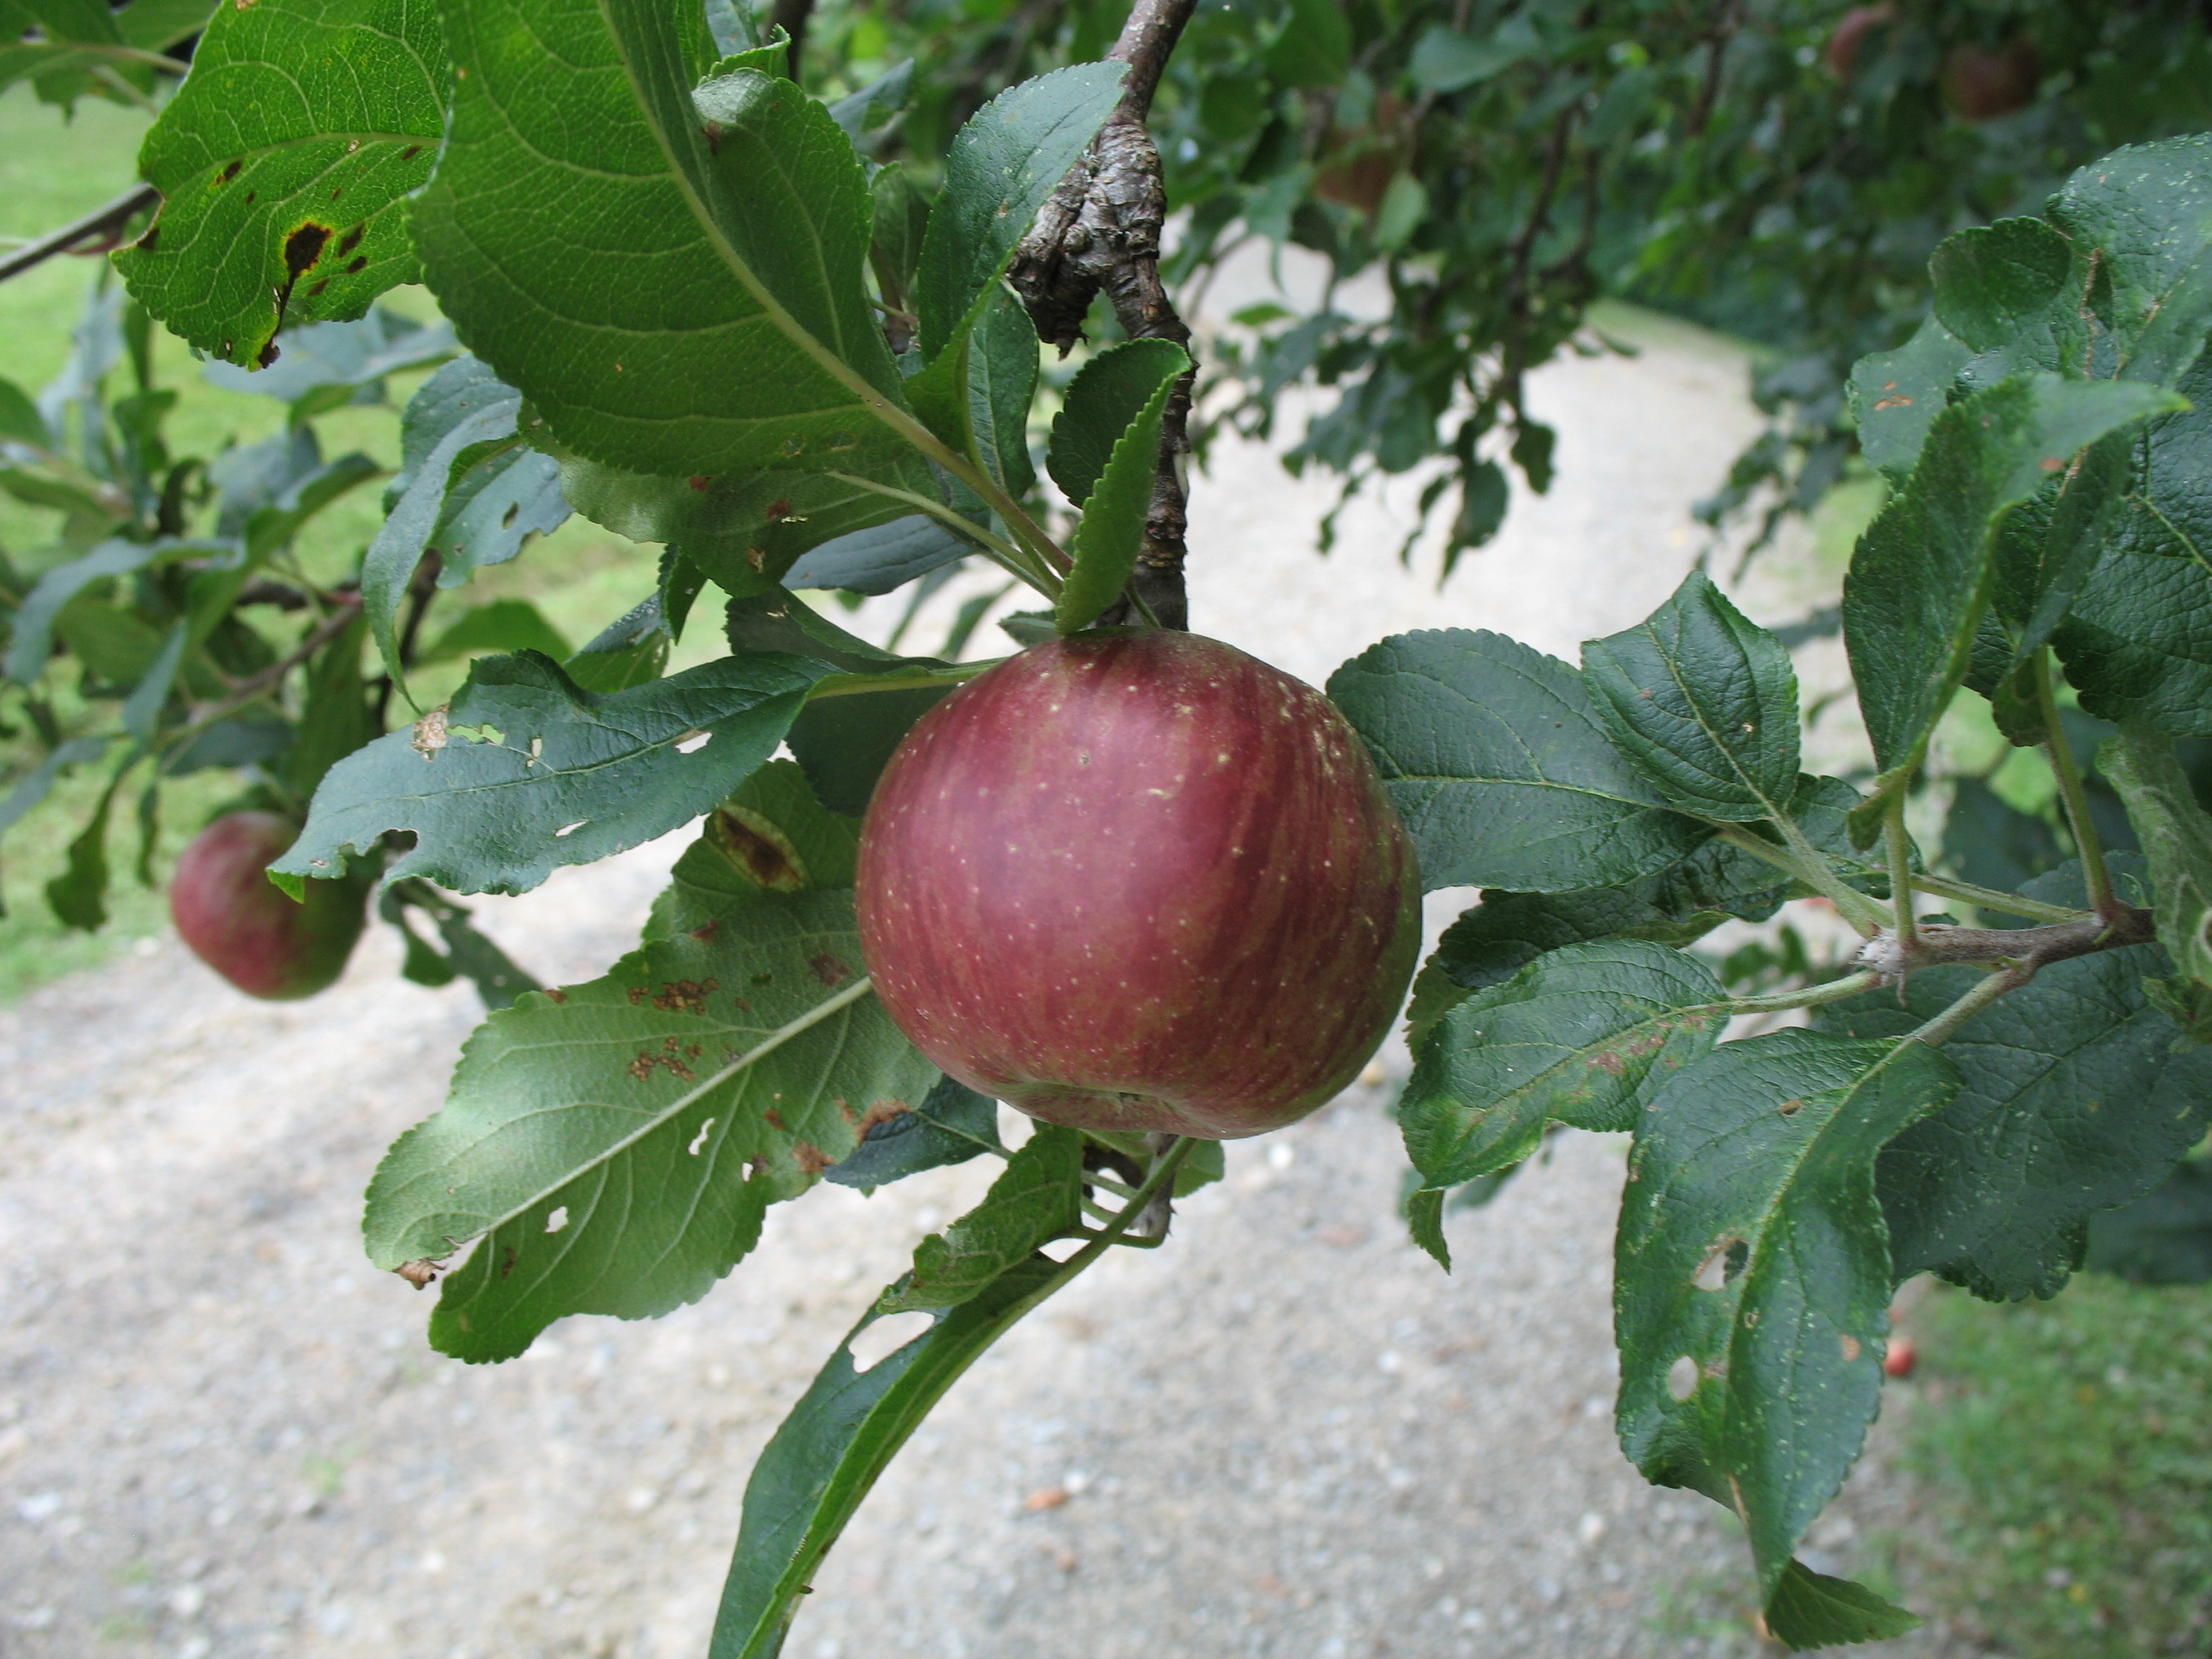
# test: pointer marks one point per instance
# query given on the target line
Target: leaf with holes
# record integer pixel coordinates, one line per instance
(614, 1146)
(526, 770)
(284, 163)
(1037, 1199)
(672, 278)
(1704, 702)
(1752, 1280)
(1583, 1035)
(1503, 769)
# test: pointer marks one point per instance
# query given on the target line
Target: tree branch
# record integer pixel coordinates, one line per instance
(102, 224)
(1100, 232)
(2020, 951)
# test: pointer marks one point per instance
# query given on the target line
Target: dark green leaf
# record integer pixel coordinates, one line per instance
(78, 897)
(630, 651)
(338, 717)
(1112, 529)
(1585, 1034)
(1446, 60)
(1992, 845)
(888, 91)
(1752, 1277)
(878, 560)
(1499, 936)
(19, 419)
(466, 953)
(2138, 641)
(844, 742)
(527, 771)
(33, 622)
(1107, 394)
(771, 836)
(2177, 841)
(841, 1436)
(1704, 702)
(1037, 1199)
(952, 1124)
(284, 162)
(1897, 395)
(1808, 1609)
(1921, 578)
(1424, 1220)
(2164, 1238)
(2050, 544)
(2073, 1102)
(2147, 210)
(501, 625)
(1002, 167)
(2015, 287)
(616, 1145)
(1002, 375)
(1503, 770)
(726, 328)
(1314, 48)
(902, 220)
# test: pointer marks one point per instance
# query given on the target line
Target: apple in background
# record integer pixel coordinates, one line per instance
(1842, 51)
(247, 928)
(1136, 879)
(1980, 84)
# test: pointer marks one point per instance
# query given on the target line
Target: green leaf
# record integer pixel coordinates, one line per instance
(2164, 1238)
(37, 784)
(2015, 287)
(78, 897)
(2147, 209)
(1002, 375)
(881, 558)
(20, 420)
(284, 162)
(1506, 931)
(1108, 393)
(1447, 60)
(1895, 396)
(326, 366)
(1751, 1276)
(844, 742)
(1808, 1609)
(464, 488)
(1704, 702)
(1314, 48)
(2050, 544)
(616, 1145)
(902, 220)
(725, 328)
(1424, 1220)
(1112, 528)
(771, 836)
(841, 1436)
(2073, 1102)
(2137, 642)
(34, 621)
(1583, 1035)
(1037, 1199)
(338, 717)
(1504, 773)
(528, 771)
(952, 1124)
(888, 92)
(501, 625)
(2177, 841)
(745, 529)
(630, 651)
(1921, 579)
(466, 953)
(1001, 168)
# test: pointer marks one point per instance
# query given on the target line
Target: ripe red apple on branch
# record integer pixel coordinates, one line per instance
(247, 928)
(1136, 879)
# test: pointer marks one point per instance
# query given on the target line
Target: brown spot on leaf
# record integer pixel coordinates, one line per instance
(713, 132)
(507, 1258)
(706, 934)
(557, 996)
(830, 970)
(230, 171)
(359, 262)
(699, 481)
(687, 996)
(759, 849)
(304, 246)
(410, 152)
(1790, 1108)
(772, 1118)
(266, 356)
(809, 1158)
(1851, 1348)
(321, 283)
(637, 995)
(351, 239)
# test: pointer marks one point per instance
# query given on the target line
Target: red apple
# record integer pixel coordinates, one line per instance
(1898, 1361)
(1980, 84)
(1138, 880)
(1842, 51)
(247, 928)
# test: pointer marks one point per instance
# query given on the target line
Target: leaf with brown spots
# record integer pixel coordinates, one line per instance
(291, 105)
(655, 1108)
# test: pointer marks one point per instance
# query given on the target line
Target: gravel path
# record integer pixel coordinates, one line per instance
(1288, 1434)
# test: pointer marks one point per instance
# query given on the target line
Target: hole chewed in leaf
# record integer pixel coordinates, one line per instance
(557, 1220)
(1722, 1263)
(692, 742)
(699, 1141)
(1682, 1378)
(880, 1341)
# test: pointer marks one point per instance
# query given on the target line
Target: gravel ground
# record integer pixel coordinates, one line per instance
(1288, 1434)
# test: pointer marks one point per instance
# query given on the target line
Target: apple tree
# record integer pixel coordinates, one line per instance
(718, 315)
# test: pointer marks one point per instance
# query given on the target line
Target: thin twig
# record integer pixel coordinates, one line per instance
(268, 679)
(101, 223)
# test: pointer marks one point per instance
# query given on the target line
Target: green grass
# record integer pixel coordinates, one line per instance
(53, 170)
(2066, 1447)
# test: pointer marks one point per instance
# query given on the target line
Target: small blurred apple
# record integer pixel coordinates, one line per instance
(247, 928)
(1980, 84)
